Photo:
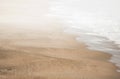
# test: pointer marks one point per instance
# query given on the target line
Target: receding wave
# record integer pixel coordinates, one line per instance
(96, 24)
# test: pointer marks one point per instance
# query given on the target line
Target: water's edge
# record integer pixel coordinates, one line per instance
(97, 26)
(99, 44)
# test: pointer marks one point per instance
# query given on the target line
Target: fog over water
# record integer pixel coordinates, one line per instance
(95, 22)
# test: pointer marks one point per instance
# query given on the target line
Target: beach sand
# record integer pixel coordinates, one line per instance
(49, 53)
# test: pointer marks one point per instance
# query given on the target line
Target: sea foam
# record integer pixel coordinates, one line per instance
(95, 22)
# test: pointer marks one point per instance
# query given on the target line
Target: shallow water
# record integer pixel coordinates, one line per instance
(95, 22)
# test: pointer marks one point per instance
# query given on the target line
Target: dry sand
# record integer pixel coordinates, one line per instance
(44, 51)
(48, 53)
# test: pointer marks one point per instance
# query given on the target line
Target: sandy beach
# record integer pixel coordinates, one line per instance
(50, 54)
(33, 44)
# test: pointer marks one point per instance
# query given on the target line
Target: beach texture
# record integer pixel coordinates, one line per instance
(33, 45)
(49, 53)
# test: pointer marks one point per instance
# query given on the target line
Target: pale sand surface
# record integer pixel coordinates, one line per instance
(48, 53)
(41, 50)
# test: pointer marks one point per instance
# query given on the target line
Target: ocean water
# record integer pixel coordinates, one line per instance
(95, 22)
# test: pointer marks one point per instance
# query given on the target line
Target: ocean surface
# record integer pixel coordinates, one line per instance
(95, 22)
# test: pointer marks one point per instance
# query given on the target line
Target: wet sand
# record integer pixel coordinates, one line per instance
(49, 53)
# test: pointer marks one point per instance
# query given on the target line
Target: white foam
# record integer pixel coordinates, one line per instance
(96, 22)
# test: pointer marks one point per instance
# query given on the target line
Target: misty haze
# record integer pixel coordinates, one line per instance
(59, 39)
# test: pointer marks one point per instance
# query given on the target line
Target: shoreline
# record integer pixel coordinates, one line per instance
(52, 54)
(87, 47)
